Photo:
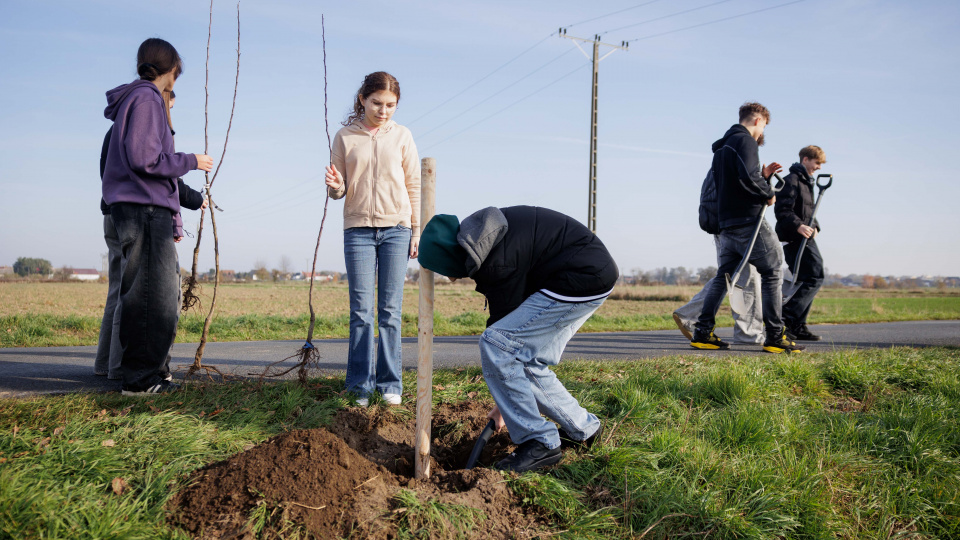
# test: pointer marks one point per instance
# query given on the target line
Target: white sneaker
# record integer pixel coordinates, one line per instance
(363, 402)
(392, 399)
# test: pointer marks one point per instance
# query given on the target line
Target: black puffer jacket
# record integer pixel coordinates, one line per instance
(541, 249)
(795, 204)
(742, 191)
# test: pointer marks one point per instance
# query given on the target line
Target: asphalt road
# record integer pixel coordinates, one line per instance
(57, 370)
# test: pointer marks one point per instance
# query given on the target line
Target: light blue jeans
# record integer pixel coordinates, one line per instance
(375, 256)
(517, 352)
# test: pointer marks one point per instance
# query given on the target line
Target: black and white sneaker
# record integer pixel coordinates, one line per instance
(162, 387)
(530, 456)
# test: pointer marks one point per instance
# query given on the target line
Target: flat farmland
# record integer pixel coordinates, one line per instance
(36, 314)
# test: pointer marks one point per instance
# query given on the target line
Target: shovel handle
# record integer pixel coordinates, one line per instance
(746, 256)
(780, 183)
(481, 442)
(803, 244)
(828, 184)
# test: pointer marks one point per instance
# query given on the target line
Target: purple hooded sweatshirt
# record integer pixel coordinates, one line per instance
(141, 165)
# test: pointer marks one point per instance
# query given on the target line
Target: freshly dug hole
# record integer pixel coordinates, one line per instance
(347, 482)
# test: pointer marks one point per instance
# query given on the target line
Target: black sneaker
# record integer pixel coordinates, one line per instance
(782, 344)
(802, 333)
(530, 456)
(162, 387)
(709, 341)
(566, 441)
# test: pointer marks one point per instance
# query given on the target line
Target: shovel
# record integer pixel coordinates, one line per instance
(481, 442)
(734, 289)
(791, 288)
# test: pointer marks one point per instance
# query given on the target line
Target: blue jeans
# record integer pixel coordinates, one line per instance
(767, 257)
(375, 256)
(517, 352)
(149, 292)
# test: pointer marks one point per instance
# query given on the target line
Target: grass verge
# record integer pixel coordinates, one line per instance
(847, 444)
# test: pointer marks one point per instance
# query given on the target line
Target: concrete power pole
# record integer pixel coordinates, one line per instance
(596, 58)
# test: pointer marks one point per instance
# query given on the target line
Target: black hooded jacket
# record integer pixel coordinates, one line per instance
(742, 191)
(541, 249)
(795, 204)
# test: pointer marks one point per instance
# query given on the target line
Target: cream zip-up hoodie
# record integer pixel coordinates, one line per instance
(381, 176)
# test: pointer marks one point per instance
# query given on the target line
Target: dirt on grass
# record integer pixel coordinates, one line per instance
(346, 481)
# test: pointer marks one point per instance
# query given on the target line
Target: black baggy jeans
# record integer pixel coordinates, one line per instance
(809, 277)
(767, 257)
(149, 291)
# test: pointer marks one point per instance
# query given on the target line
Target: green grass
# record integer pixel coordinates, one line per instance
(50, 330)
(425, 519)
(847, 444)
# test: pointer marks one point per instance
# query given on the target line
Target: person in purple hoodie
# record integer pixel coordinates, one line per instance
(140, 187)
(107, 361)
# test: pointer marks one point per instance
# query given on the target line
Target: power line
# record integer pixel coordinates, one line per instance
(507, 107)
(498, 92)
(612, 13)
(481, 79)
(258, 210)
(275, 195)
(716, 21)
(665, 16)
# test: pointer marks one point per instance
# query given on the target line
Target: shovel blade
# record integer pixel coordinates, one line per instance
(789, 289)
(735, 293)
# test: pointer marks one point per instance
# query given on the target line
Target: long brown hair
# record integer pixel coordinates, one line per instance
(374, 82)
(168, 95)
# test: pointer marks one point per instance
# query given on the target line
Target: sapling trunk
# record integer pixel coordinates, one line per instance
(198, 357)
(307, 356)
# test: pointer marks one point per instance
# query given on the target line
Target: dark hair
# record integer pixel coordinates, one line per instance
(156, 57)
(374, 82)
(751, 110)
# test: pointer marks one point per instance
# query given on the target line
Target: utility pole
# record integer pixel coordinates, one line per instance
(596, 58)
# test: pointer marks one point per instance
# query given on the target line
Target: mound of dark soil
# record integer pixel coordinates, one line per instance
(344, 482)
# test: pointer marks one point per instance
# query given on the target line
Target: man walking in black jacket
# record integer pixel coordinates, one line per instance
(543, 274)
(743, 192)
(793, 209)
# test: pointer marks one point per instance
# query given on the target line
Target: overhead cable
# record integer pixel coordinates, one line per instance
(716, 21)
(491, 96)
(481, 79)
(665, 17)
(484, 119)
(610, 14)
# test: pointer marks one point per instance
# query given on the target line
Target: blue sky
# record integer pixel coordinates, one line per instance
(872, 82)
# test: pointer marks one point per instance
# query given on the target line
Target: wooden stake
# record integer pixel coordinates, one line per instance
(428, 191)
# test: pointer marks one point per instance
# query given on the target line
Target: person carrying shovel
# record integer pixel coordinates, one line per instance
(794, 210)
(742, 195)
(543, 274)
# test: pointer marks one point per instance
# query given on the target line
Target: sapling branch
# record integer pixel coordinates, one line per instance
(198, 357)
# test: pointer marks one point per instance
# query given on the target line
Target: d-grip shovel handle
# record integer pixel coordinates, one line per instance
(821, 186)
(803, 243)
(746, 256)
(481, 442)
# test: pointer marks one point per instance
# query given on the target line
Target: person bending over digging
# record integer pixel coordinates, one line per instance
(543, 274)
(743, 189)
(793, 209)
